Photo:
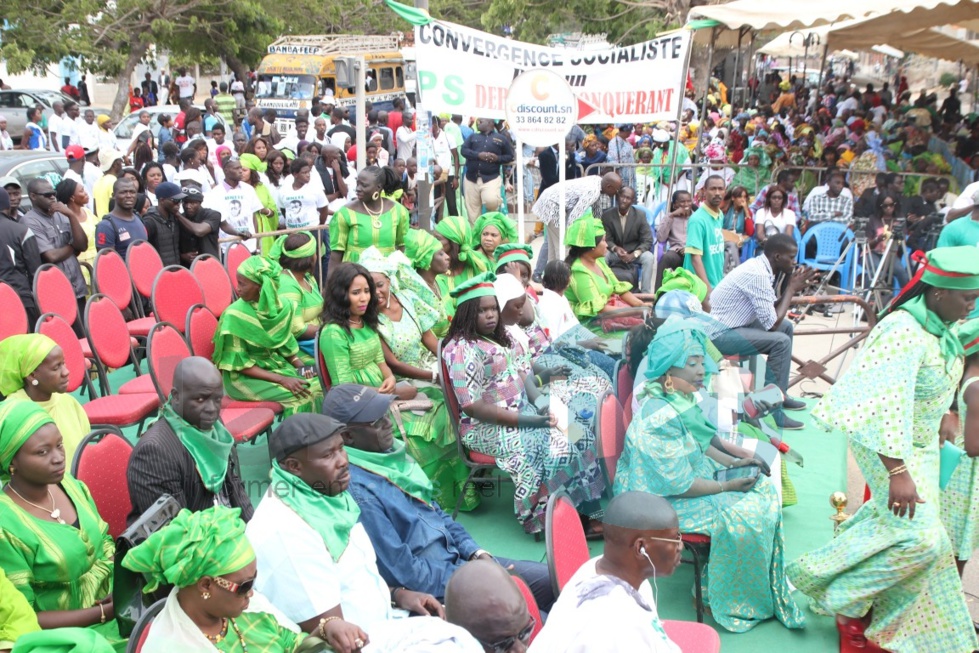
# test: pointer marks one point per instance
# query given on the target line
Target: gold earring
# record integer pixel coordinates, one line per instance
(375, 195)
(668, 385)
(12, 470)
(205, 595)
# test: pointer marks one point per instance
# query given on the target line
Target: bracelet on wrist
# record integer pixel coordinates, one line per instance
(394, 595)
(102, 611)
(320, 630)
(900, 469)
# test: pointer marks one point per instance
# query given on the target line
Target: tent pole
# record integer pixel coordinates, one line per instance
(822, 71)
(752, 72)
(737, 64)
(747, 76)
(679, 112)
(703, 108)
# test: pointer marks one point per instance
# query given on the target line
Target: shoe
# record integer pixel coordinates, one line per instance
(790, 424)
(791, 403)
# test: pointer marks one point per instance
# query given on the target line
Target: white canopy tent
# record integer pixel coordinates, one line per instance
(889, 51)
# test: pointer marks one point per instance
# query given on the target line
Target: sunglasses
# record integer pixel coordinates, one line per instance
(241, 589)
(885, 205)
(505, 644)
(50, 195)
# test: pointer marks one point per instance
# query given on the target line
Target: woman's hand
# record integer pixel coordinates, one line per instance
(949, 428)
(744, 462)
(342, 636)
(537, 421)
(739, 484)
(295, 385)
(595, 344)
(387, 385)
(109, 607)
(903, 496)
(550, 372)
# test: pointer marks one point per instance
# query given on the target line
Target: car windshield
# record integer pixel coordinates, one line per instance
(49, 97)
(286, 87)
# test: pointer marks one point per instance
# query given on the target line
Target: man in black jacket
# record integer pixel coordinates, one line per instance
(20, 258)
(199, 226)
(188, 453)
(630, 241)
(162, 228)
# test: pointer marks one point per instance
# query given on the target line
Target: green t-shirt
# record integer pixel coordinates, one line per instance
(964, 231)
(704, 237)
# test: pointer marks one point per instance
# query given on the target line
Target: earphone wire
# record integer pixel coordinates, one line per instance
(655, 588)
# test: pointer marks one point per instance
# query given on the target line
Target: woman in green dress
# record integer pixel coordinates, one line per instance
(890, 571)
(456, 237)
(429, 258)
(369, 220)
(745, 581)
(490, 231)
(755, 173)
(208, 560)
(255, 344)
(54, 547)
(297, 255)
(406, 316)
(268, 218)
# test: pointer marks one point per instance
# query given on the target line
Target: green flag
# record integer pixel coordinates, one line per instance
(416, 17)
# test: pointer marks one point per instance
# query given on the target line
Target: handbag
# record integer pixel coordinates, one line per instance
(419, 404)
(618, 323)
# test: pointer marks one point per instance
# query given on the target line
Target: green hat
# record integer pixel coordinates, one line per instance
(457, 229)
(421, 247)
(479, 286)
(584, 232)
(682, 279)
(955, 268)
(278, 248)
(511, 252)
(968, 335)
(503, 224)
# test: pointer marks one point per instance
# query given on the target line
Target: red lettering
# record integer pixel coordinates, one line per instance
(491, 97)
(480, 96)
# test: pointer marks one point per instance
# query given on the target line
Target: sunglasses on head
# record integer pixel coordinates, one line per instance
(505, 644)
(241, 589)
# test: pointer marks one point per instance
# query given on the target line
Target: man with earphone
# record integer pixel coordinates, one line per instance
(642, 542)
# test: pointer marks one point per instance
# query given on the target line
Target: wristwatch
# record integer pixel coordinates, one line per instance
(637, 253)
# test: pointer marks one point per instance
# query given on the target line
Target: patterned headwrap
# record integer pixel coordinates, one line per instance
(19, 420)
(675, 342)
(19, 356)
(421, 247)
(510, 252)
(411, 290)
(503, 224)
(479, 286)
(715, 151)
(457, 229)
(266, 274)
(252, 162)
(209, 542)
(278, 248)
(585, 231)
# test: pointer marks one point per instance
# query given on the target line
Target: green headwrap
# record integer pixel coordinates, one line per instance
(457, 230)
(252, 162)
(209, 542)
(511, 252)
(503, 224)
(278, 248)
(585, 231)
(63, 640)
(968, 335)
(479, 286)
(675, 342)
(682, 279)
(764, 160)
(266, 274)
(19, 420)
(19, 356)
(421, 247)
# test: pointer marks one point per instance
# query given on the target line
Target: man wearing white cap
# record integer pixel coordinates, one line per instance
(110, 161)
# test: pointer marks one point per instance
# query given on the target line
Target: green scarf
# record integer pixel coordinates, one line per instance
(331, 517)
(692, 418)
(930, 322)
(397, 467)
(210, 450)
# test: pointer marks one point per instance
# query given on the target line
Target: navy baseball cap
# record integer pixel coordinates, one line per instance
(169, 191)
(356, 404)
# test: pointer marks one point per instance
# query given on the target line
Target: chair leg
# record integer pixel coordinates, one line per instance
(697, 588)
(462, 492)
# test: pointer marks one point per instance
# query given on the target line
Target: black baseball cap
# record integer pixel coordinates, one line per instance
(356, 404)
(300, 431)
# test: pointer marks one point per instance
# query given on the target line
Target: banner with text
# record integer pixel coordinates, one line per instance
(465, 71)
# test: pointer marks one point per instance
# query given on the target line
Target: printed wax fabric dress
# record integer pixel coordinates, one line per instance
(352, 232)
(960, 498)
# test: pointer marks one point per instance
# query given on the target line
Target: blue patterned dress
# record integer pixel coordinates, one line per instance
(745, 579)
(890, 401)
(540, 461)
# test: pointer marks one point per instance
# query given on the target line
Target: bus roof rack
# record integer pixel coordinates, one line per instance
(320, 44)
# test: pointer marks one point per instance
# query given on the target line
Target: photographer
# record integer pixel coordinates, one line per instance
(884, 224)
(923, 215)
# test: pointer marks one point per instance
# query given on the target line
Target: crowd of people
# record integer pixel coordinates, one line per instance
(681, 241)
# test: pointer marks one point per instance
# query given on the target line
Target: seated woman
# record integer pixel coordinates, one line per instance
(746, 583)
(429, 259)
(369, 220)
(406, 316)
(738, 219)
(490, 231)
(297, 255)
(54, 547)
(498, 414)
(754, 172)
(255, 344)
(775, 217)
(32, 368)
(594, 291)
(456, 237)
(209, 561)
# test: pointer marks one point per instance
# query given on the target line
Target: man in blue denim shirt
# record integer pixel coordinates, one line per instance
(417, 544)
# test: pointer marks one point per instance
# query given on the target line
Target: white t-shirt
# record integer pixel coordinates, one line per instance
(199, 175)
(442, 145)
(55, 127)
(186, 86)
(237, 206)
(170, 172)
(212, 152)
(88, 135)
(964, 200)
(555, 314)
(301, 208)
(785, 219)
(406, 142)
(237, 87)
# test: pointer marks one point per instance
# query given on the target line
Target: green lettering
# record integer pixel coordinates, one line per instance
(453, 90)
(427, 80)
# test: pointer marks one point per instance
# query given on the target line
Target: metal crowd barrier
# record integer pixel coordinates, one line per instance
(813, 369)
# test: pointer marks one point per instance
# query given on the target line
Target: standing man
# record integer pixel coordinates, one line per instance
(110, 161)
(55, 128)
(151, 91)
(237, 203)
(630, 241)
(60, 237)
(77, 168)
(319, 132)
(704, 251)
(19, 257)
(238, 92)
(620, 151)
(448, 158)
(745, 301)
(340, 125)
(121, 227)
(186, 87)
(405, 136)
(88, 131)
(162, 227)
(225, 103)
(15, 191)
(292, 142)
(69, 124)
(485, 152)
(262, 128)
(199, 227)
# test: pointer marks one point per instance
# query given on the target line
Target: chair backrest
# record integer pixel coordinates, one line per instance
(165, 347)
(532, 606)
(13, 317)
(57, 328)
(108, 334)
(175, 290)
(218, 291)
(828, 242)
(623, 380)
(144, 264)
(322, 373)
(100, 462)
(112, 278)
(200, 329)
(54, 294)
(232, 259)
(611, 427)
(564, 536)
(142, 629)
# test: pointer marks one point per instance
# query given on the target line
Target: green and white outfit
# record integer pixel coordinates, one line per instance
(351, 232)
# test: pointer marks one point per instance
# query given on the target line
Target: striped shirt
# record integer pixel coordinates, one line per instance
(823, 208)
(745, 295)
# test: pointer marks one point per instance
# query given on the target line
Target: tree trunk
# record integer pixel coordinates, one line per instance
(121, 103)
(240, 70)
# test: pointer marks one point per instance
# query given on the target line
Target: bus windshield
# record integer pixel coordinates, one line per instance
(286, 87)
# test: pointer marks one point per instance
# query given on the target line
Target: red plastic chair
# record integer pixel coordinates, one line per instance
(321, 370)
(112, 410)
(200, 329)
(100, 462)
(478, 463)
(213, 278)
(13, 317)
(691, 637)
(532, 606)
(112, 345)
(564, 538)
(111, 278)
(232, 259)
(142, 628)
(611, 434)
(144, 264)
(175, 290)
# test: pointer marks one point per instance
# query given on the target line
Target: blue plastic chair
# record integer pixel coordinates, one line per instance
(748, 249)
(797, 233)
(829, 246)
